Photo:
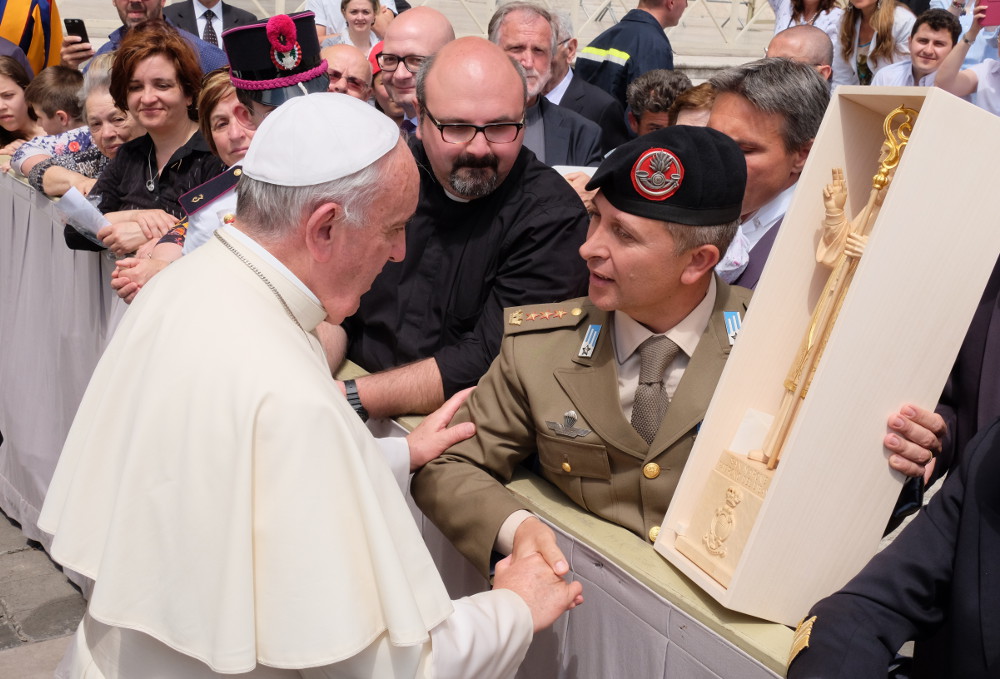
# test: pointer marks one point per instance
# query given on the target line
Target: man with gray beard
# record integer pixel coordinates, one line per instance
(494, 228)
(557, 135)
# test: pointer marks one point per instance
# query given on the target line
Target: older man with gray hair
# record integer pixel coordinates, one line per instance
(556, 135)
(576, 94)
(772, 108)
(267, 536)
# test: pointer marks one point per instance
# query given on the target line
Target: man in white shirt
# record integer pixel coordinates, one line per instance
(207, 18)
(934, 35)
(772, 109)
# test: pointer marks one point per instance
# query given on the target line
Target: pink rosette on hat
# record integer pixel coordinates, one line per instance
(286, 53)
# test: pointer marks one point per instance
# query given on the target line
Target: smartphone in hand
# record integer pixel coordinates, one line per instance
(76, 27)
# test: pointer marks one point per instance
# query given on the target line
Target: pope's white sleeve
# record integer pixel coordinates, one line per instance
(486, 637)
(396, 451)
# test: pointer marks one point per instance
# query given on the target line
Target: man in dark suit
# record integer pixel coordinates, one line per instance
(74, 52)
(772, 108)
(202, 17)
(937, 583)
(579, 96)
(556, 135)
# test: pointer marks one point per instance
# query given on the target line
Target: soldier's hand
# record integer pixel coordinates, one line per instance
(433, 436)
(534, 537)
(546, 594)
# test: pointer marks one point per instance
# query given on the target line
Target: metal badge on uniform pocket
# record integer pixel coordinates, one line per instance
(566, 428)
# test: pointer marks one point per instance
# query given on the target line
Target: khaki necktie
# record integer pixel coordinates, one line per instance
(650, 404)
(209, 34)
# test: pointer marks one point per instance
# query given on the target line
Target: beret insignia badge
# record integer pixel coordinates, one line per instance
(657, 174)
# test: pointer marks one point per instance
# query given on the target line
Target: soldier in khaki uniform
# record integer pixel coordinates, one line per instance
(612, 421)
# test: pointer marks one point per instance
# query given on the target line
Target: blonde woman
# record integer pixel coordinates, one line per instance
(874, 34)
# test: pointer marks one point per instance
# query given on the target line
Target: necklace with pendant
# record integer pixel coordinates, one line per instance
(150, 184)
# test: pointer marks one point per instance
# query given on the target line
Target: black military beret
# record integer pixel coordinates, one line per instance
(681, 174)
(277, 58)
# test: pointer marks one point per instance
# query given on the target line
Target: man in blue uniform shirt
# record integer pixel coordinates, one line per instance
(631, 47)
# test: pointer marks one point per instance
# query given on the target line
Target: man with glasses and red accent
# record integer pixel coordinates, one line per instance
(494, 228)
(348, 70)
(411, 37)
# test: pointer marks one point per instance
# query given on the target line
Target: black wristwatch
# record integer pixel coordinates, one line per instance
(351, 387)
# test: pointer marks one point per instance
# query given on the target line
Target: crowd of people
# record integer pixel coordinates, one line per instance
(578, 220)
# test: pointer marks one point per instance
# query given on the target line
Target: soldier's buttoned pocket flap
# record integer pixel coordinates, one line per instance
(573, 458)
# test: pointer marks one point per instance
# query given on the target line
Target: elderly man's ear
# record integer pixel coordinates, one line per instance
(323, 231)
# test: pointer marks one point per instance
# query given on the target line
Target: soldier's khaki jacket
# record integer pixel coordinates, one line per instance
(598, 460)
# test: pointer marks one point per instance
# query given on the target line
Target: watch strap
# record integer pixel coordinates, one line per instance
(351, 387)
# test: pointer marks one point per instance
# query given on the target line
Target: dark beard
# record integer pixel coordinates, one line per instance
(474, 176)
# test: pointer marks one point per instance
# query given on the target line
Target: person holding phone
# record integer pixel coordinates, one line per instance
(982, 79)
(76, 49)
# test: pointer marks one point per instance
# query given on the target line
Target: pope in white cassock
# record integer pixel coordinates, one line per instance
(236, 516)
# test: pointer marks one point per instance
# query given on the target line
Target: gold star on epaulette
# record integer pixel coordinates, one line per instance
(541, 317)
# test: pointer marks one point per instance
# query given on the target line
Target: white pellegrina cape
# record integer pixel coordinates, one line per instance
(235, 513)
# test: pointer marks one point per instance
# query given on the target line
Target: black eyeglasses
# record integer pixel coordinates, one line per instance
(461, 133)
(352, 82)
(390, 62)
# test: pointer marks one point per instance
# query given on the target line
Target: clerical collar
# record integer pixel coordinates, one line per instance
(457, 199)
(273, 261)
(629, 333)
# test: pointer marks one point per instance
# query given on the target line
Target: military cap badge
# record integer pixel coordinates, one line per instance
(657, 174)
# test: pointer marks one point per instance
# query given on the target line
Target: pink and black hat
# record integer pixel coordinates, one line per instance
(277, 58)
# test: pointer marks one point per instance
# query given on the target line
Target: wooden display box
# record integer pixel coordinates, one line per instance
(903, 320)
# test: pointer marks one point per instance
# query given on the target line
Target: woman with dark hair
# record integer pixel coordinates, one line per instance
(230, 141)
(873, 34)
(17, 120)
(156, 77)
(109, 127)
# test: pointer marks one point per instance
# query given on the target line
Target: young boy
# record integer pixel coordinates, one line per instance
(54, 95)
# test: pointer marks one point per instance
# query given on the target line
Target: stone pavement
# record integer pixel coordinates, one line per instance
(39, 607)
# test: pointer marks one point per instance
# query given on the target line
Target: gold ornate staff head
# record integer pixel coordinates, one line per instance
(897, 127)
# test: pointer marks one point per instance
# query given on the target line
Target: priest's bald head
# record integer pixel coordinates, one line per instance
(313, 200)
